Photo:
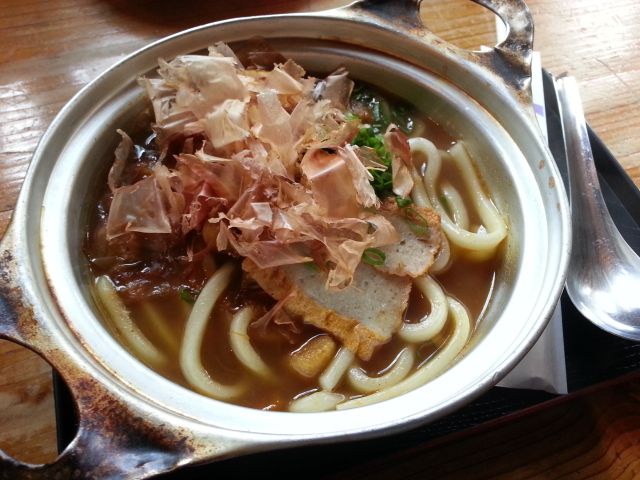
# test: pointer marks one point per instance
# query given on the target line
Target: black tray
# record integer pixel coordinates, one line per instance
(592, 356)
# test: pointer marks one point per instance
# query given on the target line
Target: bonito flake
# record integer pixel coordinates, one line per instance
(263, 157)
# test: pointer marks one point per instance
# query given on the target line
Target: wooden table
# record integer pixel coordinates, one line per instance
(50, 49)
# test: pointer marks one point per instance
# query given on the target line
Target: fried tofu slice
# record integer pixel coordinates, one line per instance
(312, 357)
(421, 235)
(362, 316)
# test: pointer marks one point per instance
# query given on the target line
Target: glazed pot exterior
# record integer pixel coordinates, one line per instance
(135, 423)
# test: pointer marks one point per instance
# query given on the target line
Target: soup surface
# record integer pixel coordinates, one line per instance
(203, 273)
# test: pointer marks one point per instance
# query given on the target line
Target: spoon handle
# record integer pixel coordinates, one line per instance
(590, 217)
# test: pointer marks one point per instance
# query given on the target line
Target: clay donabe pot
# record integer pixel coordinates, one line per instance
(135, 423)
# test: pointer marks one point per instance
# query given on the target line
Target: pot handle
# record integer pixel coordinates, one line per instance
(510, 59)
(113, 440)
(514, 52)
(93, 455)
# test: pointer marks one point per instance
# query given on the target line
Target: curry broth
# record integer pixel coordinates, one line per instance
(468, 281)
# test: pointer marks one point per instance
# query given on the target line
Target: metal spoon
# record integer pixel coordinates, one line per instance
(604, 272)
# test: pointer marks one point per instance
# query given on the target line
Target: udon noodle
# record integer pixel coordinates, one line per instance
(174, 293)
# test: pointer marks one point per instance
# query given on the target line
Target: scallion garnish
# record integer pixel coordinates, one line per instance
(311, 266)
(444, 201)
(403, 202)
(351, 117)
(374, 256)
(187, 296)
(382, 181)
(417, 223)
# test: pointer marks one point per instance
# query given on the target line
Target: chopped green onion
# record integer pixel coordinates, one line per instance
(417, 223)
(419, 230)
(403, 202)
(351, 117)
(402, 116)
(382, 182)
(311, 266)
(445, 203)
(374, 256)
(380, 110)
(379, 115)
(187, 296)
(377, 106)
